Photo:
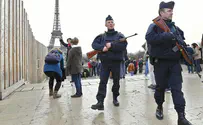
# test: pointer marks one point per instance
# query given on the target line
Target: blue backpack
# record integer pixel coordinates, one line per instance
(53, 57)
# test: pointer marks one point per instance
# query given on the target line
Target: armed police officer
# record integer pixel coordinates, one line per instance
(165, 57)
(111, 55)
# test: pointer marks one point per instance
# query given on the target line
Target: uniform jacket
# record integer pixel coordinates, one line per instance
(116, 52)
(161, 44)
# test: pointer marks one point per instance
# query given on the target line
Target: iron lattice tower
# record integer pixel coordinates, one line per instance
(56, 33)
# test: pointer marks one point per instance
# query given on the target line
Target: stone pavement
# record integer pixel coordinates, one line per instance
(31, 105)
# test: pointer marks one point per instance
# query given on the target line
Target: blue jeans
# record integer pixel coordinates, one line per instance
(146, 68)
(197, 65)
(122, 69)
(190, 69)
(131, 73)
(77, 81)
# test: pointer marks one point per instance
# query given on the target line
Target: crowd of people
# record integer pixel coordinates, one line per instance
(131, 66)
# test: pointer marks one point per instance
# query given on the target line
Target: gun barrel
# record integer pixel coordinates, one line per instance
(131, 35)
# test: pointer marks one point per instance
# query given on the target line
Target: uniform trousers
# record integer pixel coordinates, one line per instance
(106, 67)
(166, 73)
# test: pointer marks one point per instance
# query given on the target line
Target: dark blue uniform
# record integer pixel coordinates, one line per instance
(110, 61)
(165, 58)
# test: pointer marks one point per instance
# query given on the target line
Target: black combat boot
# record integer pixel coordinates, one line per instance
(159, 113)
(99, 106)
(115, 101)
(182, 120)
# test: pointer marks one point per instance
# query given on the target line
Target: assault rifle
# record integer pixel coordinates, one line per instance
(94, 52)
(180, 43)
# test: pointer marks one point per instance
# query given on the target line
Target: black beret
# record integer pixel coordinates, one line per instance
(109, 18)
(166, 5)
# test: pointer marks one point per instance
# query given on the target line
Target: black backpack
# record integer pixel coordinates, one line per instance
(53, 57)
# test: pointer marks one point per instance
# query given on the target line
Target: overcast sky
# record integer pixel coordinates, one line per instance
(85, 19)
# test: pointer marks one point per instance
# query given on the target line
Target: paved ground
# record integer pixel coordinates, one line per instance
(31, 105)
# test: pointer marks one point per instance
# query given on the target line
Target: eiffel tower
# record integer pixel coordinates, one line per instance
(56, 33)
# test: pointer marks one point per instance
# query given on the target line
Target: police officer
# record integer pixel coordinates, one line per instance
(111, 56)
(165, 58)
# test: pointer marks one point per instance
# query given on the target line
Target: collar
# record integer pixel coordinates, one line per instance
(111, 32)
